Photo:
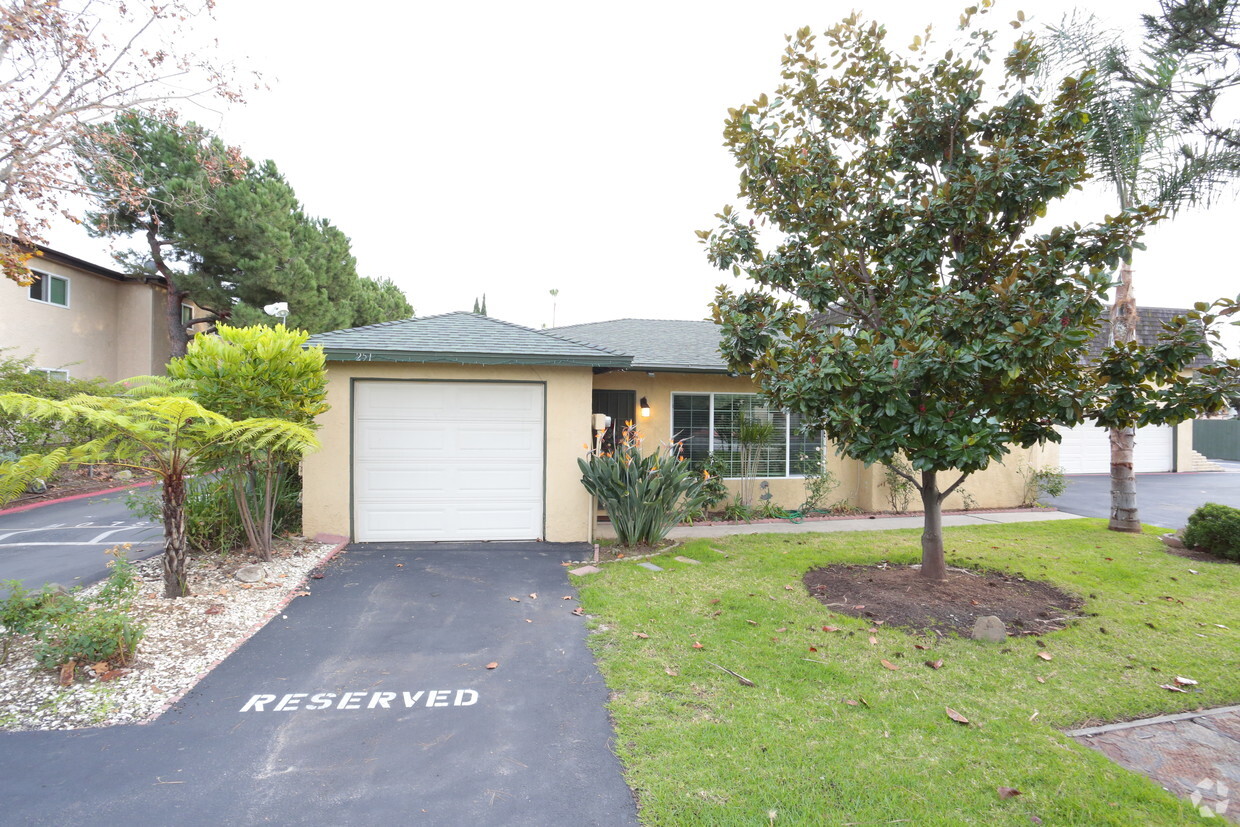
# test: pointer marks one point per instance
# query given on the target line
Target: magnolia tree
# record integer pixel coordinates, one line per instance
(69, 65)
(901, 193)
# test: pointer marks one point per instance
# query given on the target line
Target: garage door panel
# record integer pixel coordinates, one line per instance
(448, 461)
(1086, 449)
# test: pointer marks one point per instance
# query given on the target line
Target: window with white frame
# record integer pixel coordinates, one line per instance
(187, 313)
(50, 289)
(58, 374)
(709, 423)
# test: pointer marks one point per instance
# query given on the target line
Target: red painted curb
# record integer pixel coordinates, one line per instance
(283, 604)
(15, 509)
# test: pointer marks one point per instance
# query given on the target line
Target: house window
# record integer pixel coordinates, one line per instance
(709, 423)
(187, 313)
(56, 374)
(50, 289)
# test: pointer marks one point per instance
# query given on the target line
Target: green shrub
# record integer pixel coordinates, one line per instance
(714, 489)
(1216, 528)
(1041, 482)
(819, 482)
(20, 435)
(738, 513)
(87, 635)
(644, 495)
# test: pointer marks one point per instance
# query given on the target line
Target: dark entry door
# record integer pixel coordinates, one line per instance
(621, 406)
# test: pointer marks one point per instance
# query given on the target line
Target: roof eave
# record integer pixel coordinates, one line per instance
(339, 354)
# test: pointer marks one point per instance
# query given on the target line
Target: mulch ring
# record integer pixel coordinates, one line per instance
(898, 596)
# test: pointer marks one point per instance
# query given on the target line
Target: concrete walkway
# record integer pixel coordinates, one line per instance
(863, 524)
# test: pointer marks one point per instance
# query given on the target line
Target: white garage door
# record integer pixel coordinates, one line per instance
(1087, 450)
(447, 461)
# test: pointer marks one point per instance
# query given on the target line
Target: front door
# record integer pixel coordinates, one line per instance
(621, 406)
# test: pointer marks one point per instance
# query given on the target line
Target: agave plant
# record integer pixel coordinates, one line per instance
(644, 494)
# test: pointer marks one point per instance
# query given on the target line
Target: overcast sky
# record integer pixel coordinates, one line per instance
(512, 148)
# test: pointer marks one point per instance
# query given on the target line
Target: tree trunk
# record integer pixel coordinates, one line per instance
(178, 335)
(1124, 317)
(176, 583)
(933, 562)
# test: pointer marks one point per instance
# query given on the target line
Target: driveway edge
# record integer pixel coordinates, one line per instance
(31, 506)
(253, 630)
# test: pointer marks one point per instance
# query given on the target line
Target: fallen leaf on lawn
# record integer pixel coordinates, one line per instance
(850, 702)
(787, 588)
(830, 628)
(812, 649)
(935, 664)
(1184, 681)
(1008, 792)
(533, 596)
(872, 629)
(157, 690)
(1035, 819)
(100, 667)
(1034, 715)
(919, 646)
(618, 556)
(890, 665)
(515, 599)
(782, 629)
(716, 600)
(492, 664)
(112, 674)
(858, 608)
(752, 622)
(956, 716)
(1041, 680)
(1046, 655)
(641, 635)
(1171, 688)
(697, 645)
(579, 611)
(873, 640)
(1193, 571)
(672, 672)
(246, 586)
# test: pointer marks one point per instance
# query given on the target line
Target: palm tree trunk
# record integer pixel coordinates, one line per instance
(933, 561)
(176, 582)
(1124, 317)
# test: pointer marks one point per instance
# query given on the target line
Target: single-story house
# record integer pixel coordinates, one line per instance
(81, 320)
(465, 427)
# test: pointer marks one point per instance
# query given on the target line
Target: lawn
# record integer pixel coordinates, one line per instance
(701, 748)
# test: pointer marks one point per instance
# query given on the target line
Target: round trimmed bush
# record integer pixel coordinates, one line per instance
(1215, 528)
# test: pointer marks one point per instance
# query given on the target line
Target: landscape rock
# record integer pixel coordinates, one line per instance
(123, 476)
(990, 629)
(1172, 540)
(254, 573)
(689, 560)
(650, 566)
(585, 570)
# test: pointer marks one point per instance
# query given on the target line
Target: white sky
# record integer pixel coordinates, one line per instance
(512, 148)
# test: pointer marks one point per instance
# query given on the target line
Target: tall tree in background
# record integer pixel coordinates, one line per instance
(223, 232)
(901, 200)
(66, 66)
(1147, 156)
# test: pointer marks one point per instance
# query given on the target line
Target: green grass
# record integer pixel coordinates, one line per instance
(699, 748)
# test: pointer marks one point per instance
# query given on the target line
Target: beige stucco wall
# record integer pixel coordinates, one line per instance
(999, 486)
(110, 329)
(326, 505)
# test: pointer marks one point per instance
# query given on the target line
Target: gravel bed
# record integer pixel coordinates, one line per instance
(184, 639)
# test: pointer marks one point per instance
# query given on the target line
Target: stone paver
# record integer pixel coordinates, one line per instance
(650, 566)
(1195, 755)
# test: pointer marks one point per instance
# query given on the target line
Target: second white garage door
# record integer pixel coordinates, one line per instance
(447, 461)
(1086, 449)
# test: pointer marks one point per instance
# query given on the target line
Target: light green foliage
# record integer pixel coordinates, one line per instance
(645, 495)
(1215, 528)
(902, 195)
(19, 435)
(256, 372)
(1041, 482)
(896, 484)
(700, 749)
(819, 482)
(165, 435)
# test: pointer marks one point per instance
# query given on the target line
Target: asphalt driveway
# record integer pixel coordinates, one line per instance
(1163, 499)
(367, 702)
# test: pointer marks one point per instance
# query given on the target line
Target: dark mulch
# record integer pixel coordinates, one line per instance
(1200, 555)
(81, 481)
(898, 596)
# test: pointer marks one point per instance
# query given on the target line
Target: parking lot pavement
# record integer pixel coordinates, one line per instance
(64, 542)
(1162, 499)
(368, 702)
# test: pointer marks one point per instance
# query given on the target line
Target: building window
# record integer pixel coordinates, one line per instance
(187, 313)
(50, 289)
(56, 374)
(709, 423)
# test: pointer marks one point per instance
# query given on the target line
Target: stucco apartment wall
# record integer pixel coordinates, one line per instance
(327, 473)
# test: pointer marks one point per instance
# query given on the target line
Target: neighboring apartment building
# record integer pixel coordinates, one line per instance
(82, 320)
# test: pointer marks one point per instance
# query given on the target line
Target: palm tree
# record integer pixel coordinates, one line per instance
(161, 434)
(1145, 155)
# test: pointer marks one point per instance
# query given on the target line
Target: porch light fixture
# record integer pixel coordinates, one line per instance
(645, 407)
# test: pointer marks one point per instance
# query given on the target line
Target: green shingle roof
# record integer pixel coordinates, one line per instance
(462, 338)
(656, 344)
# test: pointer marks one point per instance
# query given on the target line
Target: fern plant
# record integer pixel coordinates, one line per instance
(165, 435)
